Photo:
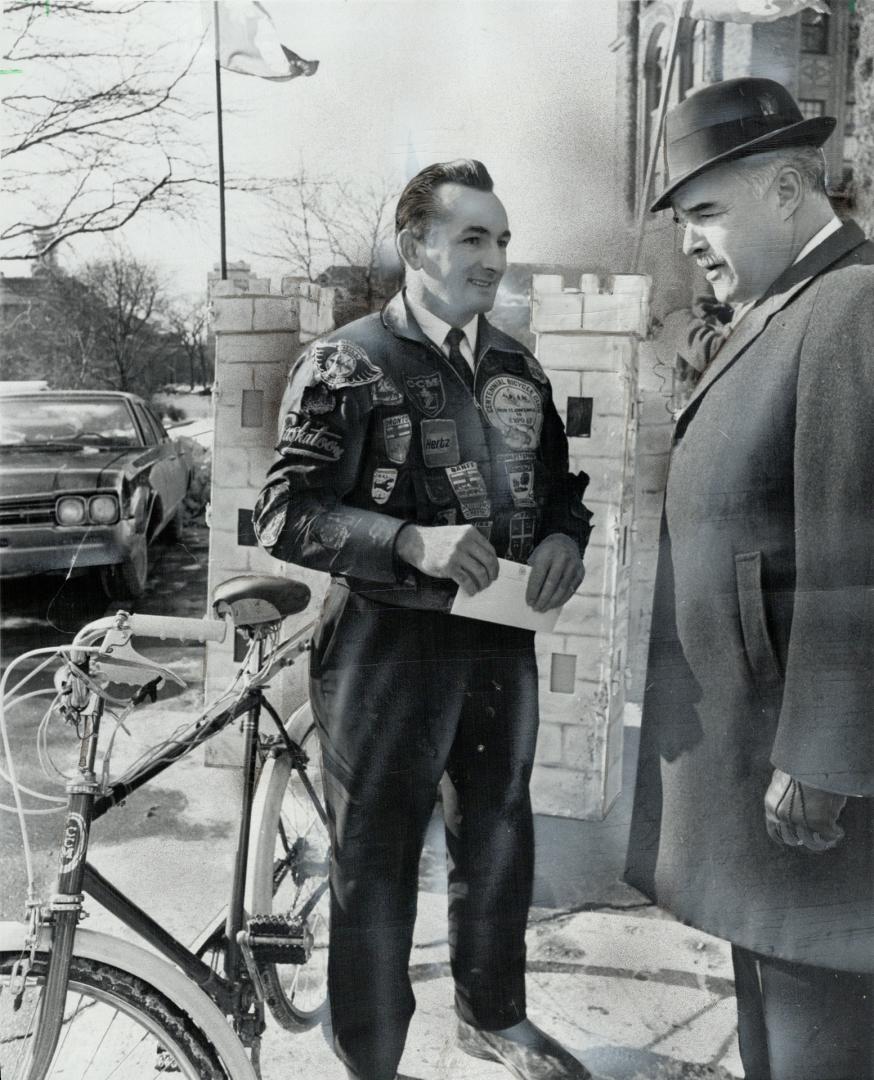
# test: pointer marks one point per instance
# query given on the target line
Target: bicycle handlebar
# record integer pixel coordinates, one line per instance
(169, 626)
(159, 626)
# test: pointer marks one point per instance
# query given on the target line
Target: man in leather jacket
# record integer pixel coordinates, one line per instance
(418, 446)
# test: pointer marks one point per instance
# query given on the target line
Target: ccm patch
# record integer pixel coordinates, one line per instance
(340, 364)
(515, 409)
(309, 439)
(439, 443)
(427, 392)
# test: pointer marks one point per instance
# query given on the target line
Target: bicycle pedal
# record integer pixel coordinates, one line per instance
(279, 939)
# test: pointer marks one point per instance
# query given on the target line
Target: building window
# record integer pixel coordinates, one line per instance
(811, 107)
(814, 32)
(698, 72)
(654, 73)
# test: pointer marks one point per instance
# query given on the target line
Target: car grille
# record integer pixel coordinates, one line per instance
(38, 510)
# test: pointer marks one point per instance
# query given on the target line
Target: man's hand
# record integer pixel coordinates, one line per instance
(556, 572)
(798, 815)
(459, 552)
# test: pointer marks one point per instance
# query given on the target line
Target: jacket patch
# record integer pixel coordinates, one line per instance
(340, 364)
(536, 371)
(485, 528)
(439, 443)
(384, 392)
(382, 485)
(447, 517)
(515, 409)
(331, 531)
(470, 490)
(520, 477)
(438, 489)
(317, 400)
(397, 431)
(523, 526)
(427, 392)
(310, 440)
(271, 509)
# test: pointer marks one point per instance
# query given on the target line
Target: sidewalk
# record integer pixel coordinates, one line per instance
(633, 994)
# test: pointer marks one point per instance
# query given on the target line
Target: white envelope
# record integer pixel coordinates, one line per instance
(504, 601)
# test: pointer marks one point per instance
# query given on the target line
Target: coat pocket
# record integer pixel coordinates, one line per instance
(757, 642)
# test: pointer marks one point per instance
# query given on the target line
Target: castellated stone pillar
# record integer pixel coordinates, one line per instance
(258, 335)
(588, 340)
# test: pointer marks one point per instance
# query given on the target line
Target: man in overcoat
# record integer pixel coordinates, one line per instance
(418, 445)
(754, 807)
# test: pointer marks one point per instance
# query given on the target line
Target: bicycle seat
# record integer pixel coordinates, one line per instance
(255, 599)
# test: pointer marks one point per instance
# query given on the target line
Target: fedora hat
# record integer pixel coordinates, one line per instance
(733, 119)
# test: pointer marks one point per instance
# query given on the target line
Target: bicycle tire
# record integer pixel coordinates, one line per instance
(155, 1037)
(289, 861)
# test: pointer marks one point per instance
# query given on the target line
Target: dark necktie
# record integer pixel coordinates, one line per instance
(456, 358)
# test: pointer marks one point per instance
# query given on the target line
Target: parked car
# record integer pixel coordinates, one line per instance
(88, 480)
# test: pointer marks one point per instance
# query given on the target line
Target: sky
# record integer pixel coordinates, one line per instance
(527, 86)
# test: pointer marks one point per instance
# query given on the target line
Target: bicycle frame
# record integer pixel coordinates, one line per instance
(230, 991)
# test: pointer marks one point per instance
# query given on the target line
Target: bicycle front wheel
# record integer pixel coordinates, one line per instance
(115, 1025)
(289, 867)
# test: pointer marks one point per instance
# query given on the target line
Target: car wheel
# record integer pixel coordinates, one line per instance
(127, 580)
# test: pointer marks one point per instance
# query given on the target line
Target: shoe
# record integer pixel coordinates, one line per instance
(528, 1052)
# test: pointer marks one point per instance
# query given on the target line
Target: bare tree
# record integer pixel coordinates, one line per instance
(96, 127)
(189, 327)
(321, 224)
(104, 328)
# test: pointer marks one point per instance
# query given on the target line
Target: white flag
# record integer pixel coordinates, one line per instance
(247, 43)
(753, 11)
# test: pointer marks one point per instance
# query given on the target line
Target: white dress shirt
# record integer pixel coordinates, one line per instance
(436, 330)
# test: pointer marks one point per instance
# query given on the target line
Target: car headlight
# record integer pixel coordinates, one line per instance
(70, 510)
(103, 509)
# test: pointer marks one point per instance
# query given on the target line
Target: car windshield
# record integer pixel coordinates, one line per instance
(77, 421)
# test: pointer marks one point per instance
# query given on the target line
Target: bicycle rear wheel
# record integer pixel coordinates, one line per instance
(289, 867)
(115, 1025)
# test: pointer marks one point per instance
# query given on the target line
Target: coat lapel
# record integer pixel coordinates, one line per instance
(791, 282)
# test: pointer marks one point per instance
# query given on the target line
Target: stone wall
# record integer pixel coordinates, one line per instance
(258, 334)
(588, 341)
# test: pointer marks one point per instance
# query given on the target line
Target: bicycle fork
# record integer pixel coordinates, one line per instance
(66, 903)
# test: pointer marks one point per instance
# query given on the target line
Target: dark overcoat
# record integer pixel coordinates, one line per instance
(762, 647)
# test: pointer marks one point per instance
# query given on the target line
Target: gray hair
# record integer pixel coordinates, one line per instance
(761, 170)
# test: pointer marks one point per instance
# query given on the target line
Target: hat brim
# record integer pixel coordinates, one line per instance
(810, 132)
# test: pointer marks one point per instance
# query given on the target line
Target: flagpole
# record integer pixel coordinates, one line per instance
(682, 11)
(221, 149)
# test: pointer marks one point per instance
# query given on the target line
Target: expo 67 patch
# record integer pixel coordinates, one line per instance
(514, 408)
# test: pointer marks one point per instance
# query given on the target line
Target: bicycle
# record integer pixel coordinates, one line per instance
(75, 1002)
